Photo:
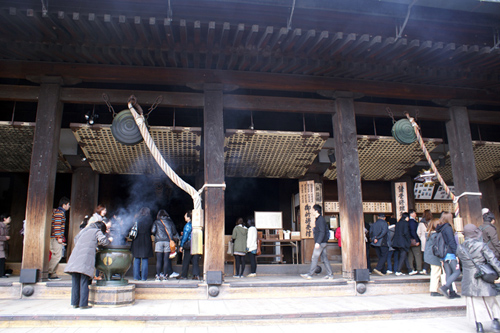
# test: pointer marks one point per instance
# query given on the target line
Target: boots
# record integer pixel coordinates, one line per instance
(479, 327)
(496, 325)
(453, 294)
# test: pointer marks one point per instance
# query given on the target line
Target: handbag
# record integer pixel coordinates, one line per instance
(483, 271)
(173, 246)
(259, 243)
(230, 247)
(132, 234)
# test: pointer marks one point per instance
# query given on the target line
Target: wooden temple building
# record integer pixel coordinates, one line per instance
(251, 97)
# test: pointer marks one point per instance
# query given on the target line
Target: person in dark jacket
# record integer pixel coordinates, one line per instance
(321, 236)
(162, 229)
(415, 252)
(81, 264)
(378, 235)
(401, 240)
(482, 304)
(490, 236)
(142, 246)
(450, 264)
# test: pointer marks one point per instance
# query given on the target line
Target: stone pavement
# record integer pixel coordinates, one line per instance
(395, 313)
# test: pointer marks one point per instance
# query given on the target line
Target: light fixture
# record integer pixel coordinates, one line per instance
(91, 116)
(83, 158)
(441, 160)
(331, 155)
(426, 177)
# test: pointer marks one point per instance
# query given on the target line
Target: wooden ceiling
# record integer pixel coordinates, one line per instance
(84, 37)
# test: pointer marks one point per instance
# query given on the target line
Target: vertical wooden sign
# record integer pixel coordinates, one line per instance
(401, 198)
(307, 195)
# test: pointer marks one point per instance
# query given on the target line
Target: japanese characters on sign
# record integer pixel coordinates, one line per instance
(401, 197)
(307, 193)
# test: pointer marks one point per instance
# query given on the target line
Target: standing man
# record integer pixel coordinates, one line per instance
(378, 235)
(57, 239)
(321, 235)
(415, 253)
(4, 237)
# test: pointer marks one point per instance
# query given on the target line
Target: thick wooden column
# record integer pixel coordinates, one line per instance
(42, 177)
(213, 152)
(463, 164)
(349, 187)
(84, 191)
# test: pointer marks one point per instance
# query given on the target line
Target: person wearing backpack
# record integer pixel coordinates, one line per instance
(434, 261)
(490, 236)
(450, 262)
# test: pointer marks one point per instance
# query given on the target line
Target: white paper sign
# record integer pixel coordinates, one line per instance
(268, 220)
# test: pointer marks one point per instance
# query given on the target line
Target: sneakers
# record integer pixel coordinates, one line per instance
(54, 277)
(388, 272)
(157, 278)
(376, 271)
(173, 275)
(444, 291)
(399, 274)
(423, 272)
(453, 294)
(306, 276)
(328, 277)
(413, 273)
(435, 294)
(252, 275)
(236, 276)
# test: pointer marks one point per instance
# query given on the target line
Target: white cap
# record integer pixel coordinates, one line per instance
(484, 211)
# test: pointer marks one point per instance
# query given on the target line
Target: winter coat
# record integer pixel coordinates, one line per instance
(252, 239)
(142, 246)
(378, 231)
(96, 217)
(448, 237)
(422, 233)
(82, 259)
(338, 235)
(401, 238)
(390, 236)
(158, 230)
(239, 237)
(320, 231)
(429, 256)
(186, 234)
(4, 232)
(490, 237)
(413, 230)
(480, 253)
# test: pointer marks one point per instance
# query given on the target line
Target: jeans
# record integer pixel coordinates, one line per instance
(253, 261)
(321, 252)
(452, 273)
(79, 289)
(390, 266)
(188, 257)
(141, 269)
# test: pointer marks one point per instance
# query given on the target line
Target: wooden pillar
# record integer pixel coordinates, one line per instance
(463, 164)
(84, 190)
(349, 187)
(213, 152)
(42, 177)
(17, 213)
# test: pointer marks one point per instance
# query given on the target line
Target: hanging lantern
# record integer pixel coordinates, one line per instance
(403, 132)
(125, 130)
(426, 177)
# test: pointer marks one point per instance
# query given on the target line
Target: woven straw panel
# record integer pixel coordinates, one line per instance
(486, 156)
(383, 158)
(180, 147)
(271, 154)
(16, 144)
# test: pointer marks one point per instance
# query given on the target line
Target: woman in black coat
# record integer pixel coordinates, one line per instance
(450, 263)
(402, 239)
(142, 246)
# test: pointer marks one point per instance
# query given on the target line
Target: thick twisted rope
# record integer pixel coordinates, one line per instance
(433, 166)
(141, 123)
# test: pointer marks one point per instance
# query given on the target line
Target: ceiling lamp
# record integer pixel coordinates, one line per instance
(426, 177)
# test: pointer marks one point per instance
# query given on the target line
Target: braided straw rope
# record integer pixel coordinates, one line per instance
(431, 163)
(141, 123)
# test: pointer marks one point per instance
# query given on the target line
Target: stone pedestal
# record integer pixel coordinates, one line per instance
(112, 296)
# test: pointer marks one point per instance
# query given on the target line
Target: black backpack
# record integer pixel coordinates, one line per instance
(439, 248)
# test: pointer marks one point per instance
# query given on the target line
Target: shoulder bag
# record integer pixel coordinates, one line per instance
(484, 271)
(172, 243)
(259, 243)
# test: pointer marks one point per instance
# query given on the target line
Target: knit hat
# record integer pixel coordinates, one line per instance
(471, 231)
